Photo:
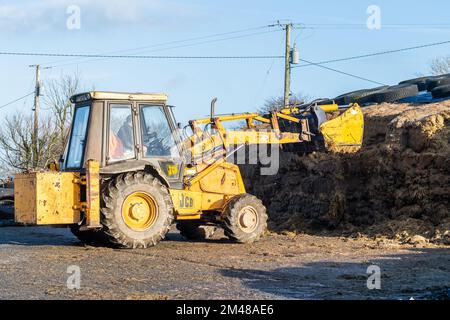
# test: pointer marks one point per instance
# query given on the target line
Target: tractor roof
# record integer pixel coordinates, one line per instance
(104, 95)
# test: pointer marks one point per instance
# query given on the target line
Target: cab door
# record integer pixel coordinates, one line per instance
(160, 142)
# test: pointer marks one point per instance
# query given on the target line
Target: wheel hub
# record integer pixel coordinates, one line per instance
(248, 219)
(139, 211)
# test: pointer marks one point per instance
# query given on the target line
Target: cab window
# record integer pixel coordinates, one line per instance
(121, 134)
(156, 134)
(78, 137)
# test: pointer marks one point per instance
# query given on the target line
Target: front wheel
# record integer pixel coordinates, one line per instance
(137, 210)
(245, 219)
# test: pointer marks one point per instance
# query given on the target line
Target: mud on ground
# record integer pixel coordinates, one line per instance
(397, 186)
(34, 264)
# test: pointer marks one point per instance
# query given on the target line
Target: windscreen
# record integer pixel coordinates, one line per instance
(78, 137)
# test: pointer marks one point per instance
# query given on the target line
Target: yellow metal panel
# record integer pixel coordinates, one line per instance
(93, 194)
(214, 201)
(221, 180)
(186, 202)
(209, 190)
(46, 198)
(190, 204)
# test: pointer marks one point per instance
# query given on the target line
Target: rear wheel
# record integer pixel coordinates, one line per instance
(193, 230)
(137, 210)
(245, 219)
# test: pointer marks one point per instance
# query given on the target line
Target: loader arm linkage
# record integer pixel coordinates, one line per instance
(341, 134)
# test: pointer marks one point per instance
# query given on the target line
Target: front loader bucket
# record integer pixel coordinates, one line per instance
(344, 134)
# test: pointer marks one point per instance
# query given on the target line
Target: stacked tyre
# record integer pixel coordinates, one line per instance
(438, 86)
(356, 96)
(379, 94)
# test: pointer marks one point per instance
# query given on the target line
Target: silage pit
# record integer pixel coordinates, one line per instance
(397, 185)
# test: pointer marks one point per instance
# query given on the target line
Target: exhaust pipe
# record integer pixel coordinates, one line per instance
(213, 107)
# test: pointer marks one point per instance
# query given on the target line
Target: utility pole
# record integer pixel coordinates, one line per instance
(287, 65)
(35, 140)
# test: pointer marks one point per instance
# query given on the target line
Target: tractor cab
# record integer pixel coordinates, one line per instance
(125, 132)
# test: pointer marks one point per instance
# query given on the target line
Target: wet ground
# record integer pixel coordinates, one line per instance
(34, 262)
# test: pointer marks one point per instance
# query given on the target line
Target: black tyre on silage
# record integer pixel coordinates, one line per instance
(421, 83)
(437, 81)
(356, 96)
(441, 92)
(393, 94)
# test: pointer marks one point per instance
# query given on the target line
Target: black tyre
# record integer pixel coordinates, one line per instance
(137, 210)
(393, 94)
(245, 219)
(441, 92)
(437, 82)
(7, 208)
(356, 96)
(421, 83)
(193, 230)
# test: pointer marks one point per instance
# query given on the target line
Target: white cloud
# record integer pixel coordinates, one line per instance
(51, 14)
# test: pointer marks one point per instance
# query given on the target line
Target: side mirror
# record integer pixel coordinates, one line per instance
(179, 126)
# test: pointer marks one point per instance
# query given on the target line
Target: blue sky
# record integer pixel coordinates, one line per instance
(40, 26)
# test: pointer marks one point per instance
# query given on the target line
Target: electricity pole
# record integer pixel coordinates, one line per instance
(35, 140)
(287, 65)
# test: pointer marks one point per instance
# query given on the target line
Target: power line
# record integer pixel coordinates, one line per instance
(168, 48)
(18, 99)
(343, 72)
(345, 26)
(375, 54)
(51, 54)
(175, 41)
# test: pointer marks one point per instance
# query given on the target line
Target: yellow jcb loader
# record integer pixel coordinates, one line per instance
(128, 172)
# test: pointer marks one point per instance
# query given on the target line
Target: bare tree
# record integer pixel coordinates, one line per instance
(16, 142)
(57, 98)
(16, 132)
(277, 103)
(440, 65)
